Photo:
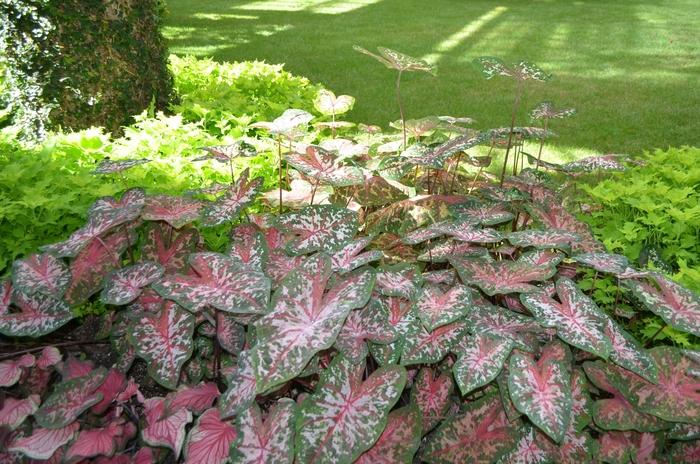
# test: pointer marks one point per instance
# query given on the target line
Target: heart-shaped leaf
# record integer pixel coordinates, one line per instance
(401, 318)
(604, 262)
(285, 124)
(177, 211)
(546, 110)
(423, 347)
(43, 274)
(396, 60)
(478, 212)
(265, 441)
(101, 441)
(436, 307)
(39, 316)
(124, 285)
(464, 231)
(230, 204)
(43, 443)
(15, 411)
(329, 105)
(241, 387)
(431, 394)
(400, 280)
(229, 334)
(196, 399)
(378, 191)
(350, 257)
(70, 398)
(502, 323)
(500, 277)
(248, 247)
(481, 358)
(628, 353)
(520, 71)
(323, 165)
(552, 238)
(169, 247)
(370, 323)
(318, 228)
(610, 162)
(165, 428)
(227, 153)
(399, 441)
(209, 440)
(11, 369)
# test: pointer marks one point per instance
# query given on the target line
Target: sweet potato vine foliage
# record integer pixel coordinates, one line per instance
(442, 327)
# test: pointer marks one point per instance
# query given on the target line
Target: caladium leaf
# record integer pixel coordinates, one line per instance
(577, 319)
(241, 387)
(113, 385)
(481, 358)
(43, 443)
(115, 212)
(351, 257)
(279, 265)
(164, 341)
(545, 110)
(541, 258)
(15, 411)
(248, 247)
(219, 282)
(676, 305)
(624, 447)
(50, 356)
(345, 416)
(177, 211)
(285, 124)
(70, 398)
(488, 214)
(42, 274)
(629, 353)
(500, 322)
(11, 370)
(370, 323)
(400, 280)
(39, 316)
(100, 441)
(5, 296)
(229, 334)
(107, 166)
(399, 441)
(478, 435)
(304, 320)
(435, 307)
(230, 204)
(265, 442)
(685, 453)
(324, 166)
(500, 277)
(422, 234)
(552, 215)
(124, 285)
(329, 105)
(611, 162)
(441, 251)
(401, 317)
(378, 191)
(168, 247)
(466, 232)
(436, 157)
(227, 153)
(679, 431)
(431, 395)
(165, 428)
(520, 71)
(396, 60)
(604, 262)
(426, 347)
(531, 448)
(551, 238)
(209, 440)
(318, 228)
(196, 399)
(542, 391)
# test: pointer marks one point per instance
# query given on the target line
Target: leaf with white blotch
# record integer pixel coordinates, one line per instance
(318, 228)
(248, 247)
(370, 323)
(520, 71)
(465, 231)
(399, 441)
(305, 320)
(324, 166)
(299, 194)
(401, 317)
(219, 282)
(268, 441)
(70, 398)
(177, 211)
(541, 258)
(209, 440)
(431, 394)
(423, 347)
(124, 285)
(39, 316)
(241, 387)
(230, 204)
(679, 431)
(629, 353)
(675, 304)
(396, 60)
(500, 322)
(43, 443)
(436, 307)
(169, 247)
(101, 441)
(500, 277)
(15, 411)
(551, 238)
(107, 166)
(229, 334)
(165, 428)
(399, 280)
(226, 153)
(441, 251)
(11, 369)
(116, 212)
(481, 358)
(164, 341)
(43, 274)
(285, 124)
(577, 319)
(350, 257)
(546, 110)
(610, 162)
(345, 416)
(479, 435)
(685, 453)
(542, 391)
(329, 105)
(438, 155)
(487, 214)
(604, 262)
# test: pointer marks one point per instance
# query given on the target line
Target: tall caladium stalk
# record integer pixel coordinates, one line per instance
(546, 111)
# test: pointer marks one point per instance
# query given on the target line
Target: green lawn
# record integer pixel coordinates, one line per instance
(631, 68)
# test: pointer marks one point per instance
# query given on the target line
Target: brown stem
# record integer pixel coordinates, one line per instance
(454, 173)
(516, 104)
(279, 155)
(398, 98)
(230, 166)
(475, 179)
(648, 342)
(57, 345)
(313, 193)
(539, 153)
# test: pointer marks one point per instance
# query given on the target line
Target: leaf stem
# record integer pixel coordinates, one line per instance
(398, 98)
(57, 345)
(516, 105)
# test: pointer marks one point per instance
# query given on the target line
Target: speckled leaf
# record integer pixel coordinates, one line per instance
(396, 60)
(318, 228)
(679, 431)
(610, 162)
(541, 258)
(487, 214)
(324, 166)
(230, 204)
(248, 247)
(241, 387)
(531, 448)
(550, 238)
(685, 453)
(441, 251)
(436, 157)
(329, 105)
(520, 71)
(124, 285)
(107, 166)
(399, 441)
(164, 341)
(552, 215)
(464, 231)
(285, 124)
(227, 153)
(498, 321)
(604, 262)
(43, 443)
(629, 353)
(401, 317)
(116, 212)
(431, 395)
(5, 296)
(378, 191)
(400, 280)
(623, 447)
(481, 358)
(545, 110)
(436, 307)
(70, 398)
(165, 428)
(209, 440)
(269, 441)
(422, 346)
(345, 416)
(43, 274)
(229, 334)
(500, 277)
(370, 323)
(168, 247)
(351, 257)
(39, 316)
(175, 210)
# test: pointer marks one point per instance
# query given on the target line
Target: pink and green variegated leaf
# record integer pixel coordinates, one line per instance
(248, 247)
(686, 453)
(629, 353)
(43, 274)
(115, 212)
(370, 323)
(351, 257)
(39, 316)
(279, 265)
(230, 204)
(378, 191)
(436, 307)
(219, 282)
(113, 385)
(611, 162)
(431, 395)
(70, 398)
(324, 166)
(623, 447)
(345, 416)
(100, 441)
(426, 347)
(465, 232)
(676, 305)
(679, 431)
(396, 60)
(241, 387)
(481, 358)
(551, 238)
(318, 228)
(268, 441)
(304, 320)
(487, 214)
(422, 234)
(43, 443)
(545, 110)
(168, 247)
(504, 394)
(328, 104)
(11, 370)
(15, 411)
(441, 251)
(498, 321)
(400, 280)
(74, 367)
(577, 319)
(500, 277)
(196, 399)
(531, 448)
(125, 285)
(177, 211)
(479, 435)
(604, 262)
(165, 428)
(401, 317)
(552, 215)
(78, 239)
(541, 258)
(107, 166)
(521, 71)
(542, 391)
(229, 334)
(399, 441)
(5, 296)
(580, 401)
(209, 440)
(164, 341)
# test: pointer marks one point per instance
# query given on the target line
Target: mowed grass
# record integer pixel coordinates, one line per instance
(630, 68)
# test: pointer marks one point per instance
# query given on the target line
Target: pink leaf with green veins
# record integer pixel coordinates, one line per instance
(546, 239)
(422, 346)
(370, 323)
(175, 210)
(325, 167)
(498, 321)
(70, 399)
(95, 442)
(577, 319)
(305, 319)
(43, 443)
(676, 305)
(230, 204)
(399, 441)
(43, 274)
(195, 399)
(268, 441)
(436, 308)
(124, 285)
(164, 341)
(165, 428)
(241, 387)
(248, 247)
(500, 277)
(542, 391)
(209, 440)
(14, 411)
(432, 396)
(350, 257)
(229, 334)
(318, 228)
(345, 416)
(629, 353)
(169, 247)
(219, 282)
(39, 316)
(11, 370)
(481, 358)
(400, 280)
(686, 453)
(479, 435)
(580, 401)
